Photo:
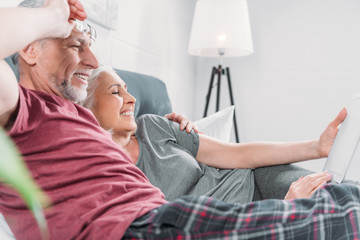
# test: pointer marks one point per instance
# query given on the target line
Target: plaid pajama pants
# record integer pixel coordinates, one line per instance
(332, 213)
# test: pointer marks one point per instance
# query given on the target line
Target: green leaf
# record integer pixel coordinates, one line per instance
(14, 173)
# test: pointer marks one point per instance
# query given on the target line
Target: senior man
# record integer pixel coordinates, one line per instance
(95, 190)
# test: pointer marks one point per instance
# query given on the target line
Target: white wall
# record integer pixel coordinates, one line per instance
(151, 37)
(303, 71)
(9, 3)
(305, 67)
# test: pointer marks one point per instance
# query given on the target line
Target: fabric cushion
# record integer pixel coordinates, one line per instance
(5, 232)
(218, 125)
(12, 65)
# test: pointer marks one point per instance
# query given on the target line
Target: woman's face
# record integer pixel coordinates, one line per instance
(113, 105)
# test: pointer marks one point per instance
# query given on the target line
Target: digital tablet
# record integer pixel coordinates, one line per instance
(346, 144)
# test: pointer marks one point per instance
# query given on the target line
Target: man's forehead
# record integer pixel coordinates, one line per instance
(79, 36)
(86, 28)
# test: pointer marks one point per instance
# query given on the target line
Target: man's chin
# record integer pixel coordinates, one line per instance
(74, 94)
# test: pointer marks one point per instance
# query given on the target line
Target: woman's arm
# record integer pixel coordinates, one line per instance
(226, 155)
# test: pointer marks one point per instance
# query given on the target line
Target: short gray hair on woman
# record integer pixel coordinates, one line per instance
(93, 84)
(27, 4)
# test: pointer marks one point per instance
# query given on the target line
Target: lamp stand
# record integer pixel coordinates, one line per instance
(220, 71)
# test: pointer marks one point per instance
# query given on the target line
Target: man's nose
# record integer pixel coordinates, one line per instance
(88, 59)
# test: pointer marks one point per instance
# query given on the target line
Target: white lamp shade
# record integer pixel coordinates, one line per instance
(221, 28)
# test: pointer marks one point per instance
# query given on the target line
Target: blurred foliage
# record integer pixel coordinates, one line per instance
(13, 172)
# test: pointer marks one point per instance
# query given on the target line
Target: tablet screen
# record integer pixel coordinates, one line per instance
(345, 142)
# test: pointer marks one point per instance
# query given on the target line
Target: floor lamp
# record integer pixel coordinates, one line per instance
(221, 28)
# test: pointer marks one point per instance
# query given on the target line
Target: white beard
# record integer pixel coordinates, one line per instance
(69, 92)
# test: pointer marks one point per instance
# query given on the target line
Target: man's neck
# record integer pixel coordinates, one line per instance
(41, 86)
(27, 84)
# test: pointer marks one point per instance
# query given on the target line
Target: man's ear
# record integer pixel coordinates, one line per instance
(28, 53)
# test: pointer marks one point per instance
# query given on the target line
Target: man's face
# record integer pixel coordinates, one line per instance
(67, 64)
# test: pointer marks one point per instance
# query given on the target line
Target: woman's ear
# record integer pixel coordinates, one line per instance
(28, 53)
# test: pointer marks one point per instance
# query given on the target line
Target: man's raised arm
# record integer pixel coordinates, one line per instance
(21, 26)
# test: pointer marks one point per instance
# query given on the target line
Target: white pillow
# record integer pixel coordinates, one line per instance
(218, 125)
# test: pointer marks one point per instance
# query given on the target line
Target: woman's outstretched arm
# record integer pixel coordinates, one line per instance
(226, 155)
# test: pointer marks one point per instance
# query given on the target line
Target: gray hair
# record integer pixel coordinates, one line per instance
(31, 3)
(93, 84)
(27, 4)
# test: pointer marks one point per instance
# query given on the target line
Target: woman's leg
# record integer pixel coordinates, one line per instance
(273, 182)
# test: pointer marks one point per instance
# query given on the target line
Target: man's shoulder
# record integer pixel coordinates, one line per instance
(36, 100)
(36, 108)
(39, 96)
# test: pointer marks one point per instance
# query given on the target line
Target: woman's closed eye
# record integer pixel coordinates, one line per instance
(117, 89)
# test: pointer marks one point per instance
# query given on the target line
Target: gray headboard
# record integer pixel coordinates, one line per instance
(150, 92)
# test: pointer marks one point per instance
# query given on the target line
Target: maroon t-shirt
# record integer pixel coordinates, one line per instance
(95, 189)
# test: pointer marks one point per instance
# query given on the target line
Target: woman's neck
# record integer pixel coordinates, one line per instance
(121, 139)
(129, 143)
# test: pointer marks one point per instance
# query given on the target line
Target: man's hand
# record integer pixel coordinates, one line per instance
(77, 10)
(183, 121)
(306, 186)
(66, 11)
(328, 136)
(73, 9)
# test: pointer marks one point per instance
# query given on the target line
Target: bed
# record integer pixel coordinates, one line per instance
(152, 97)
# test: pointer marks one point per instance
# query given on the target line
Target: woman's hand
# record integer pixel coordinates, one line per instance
(306, 186)
(328, 136)
(184, 122)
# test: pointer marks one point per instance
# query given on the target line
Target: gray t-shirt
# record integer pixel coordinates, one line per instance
(167, 157)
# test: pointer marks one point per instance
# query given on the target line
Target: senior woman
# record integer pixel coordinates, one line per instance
(182, 163)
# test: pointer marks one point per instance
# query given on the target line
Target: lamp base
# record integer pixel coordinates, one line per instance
(219, 72)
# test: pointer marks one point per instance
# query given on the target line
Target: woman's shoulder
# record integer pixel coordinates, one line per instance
(153, 126)
(151, 119)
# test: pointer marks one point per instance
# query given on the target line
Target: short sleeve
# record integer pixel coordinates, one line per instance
(189, 141)
(22, 113)
(159, 129)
